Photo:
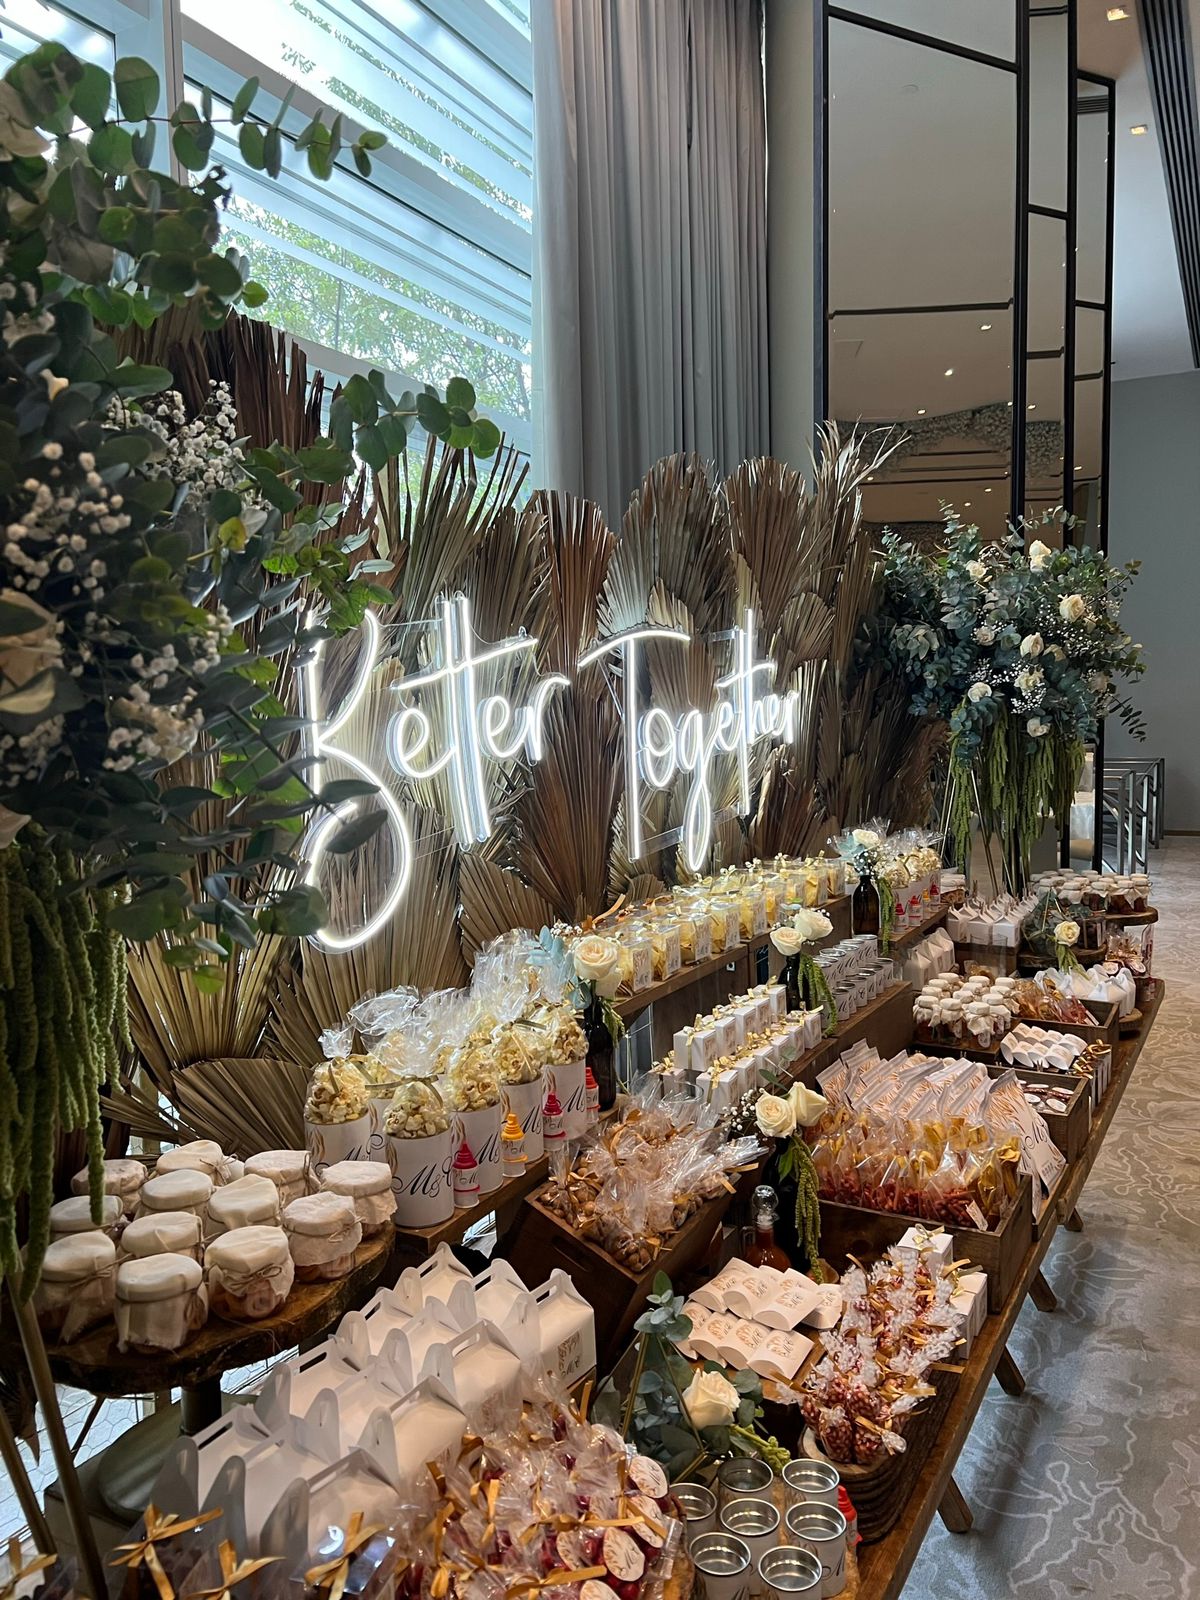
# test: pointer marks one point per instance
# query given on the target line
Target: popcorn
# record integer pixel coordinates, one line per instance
(472, 1084)
(337, 1093)
(417, 1111)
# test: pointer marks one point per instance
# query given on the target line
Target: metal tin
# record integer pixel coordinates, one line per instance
(821, 1530)
(756, 1524)
(723, 1566)
(788, 1571)
(699, 1506)
(810, 1480)
(743, 1476)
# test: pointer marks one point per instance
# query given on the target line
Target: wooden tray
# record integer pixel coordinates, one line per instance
(1068, 1129)
(879, 1493)
(854, 1231)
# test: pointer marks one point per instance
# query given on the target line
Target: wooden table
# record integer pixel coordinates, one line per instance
(884, 1567)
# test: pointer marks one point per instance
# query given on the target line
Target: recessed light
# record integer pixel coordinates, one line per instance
(870, 477)
(1031, 406)
(1078, 469)
(966, 505)
(988, 490)
(1118, 13)
(949, 372)
(1138, 128)
(1008, 403)
(920, 411)
(985, 327)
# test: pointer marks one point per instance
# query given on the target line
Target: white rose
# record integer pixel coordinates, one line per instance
(985, 635)
(786, 940)
(977, 570)
(1032, 644)
(1066, 932)
(865, 837)
(598, 961)
(710, 1401)
(774, 1116)
(1071, 607)
(978, 692)
(1039, 554)
(807, 1105)
(810, 924)
(1028, 679)
(1036, 728)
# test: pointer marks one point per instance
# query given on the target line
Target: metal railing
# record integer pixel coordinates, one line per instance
(1131, 811)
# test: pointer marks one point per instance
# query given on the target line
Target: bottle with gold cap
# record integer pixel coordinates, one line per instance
(512, 1146)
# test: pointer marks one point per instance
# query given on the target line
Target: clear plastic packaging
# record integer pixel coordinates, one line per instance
(250, 1273)
(160, 1302)
(122, 1177)
(368, 1186)
(323, 1234)
(77, 1285)
(74, 1215)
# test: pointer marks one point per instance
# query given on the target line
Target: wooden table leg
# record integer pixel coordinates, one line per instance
(954, 1510)
(1074, 1223)
(200, 1405)
(1008, 1374)
(1042, 1295)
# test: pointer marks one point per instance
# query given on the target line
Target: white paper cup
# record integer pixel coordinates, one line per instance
(525, 1101)
(481, 1130)
(570, 1087)
(327, 1142)
(422, 1179)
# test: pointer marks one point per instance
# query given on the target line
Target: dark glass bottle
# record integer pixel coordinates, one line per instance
(601, 1056)
(866, 907)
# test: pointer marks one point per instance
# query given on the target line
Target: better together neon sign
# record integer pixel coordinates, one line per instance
(445, 724)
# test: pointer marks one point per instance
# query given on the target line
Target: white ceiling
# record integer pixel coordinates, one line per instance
(1149, 327)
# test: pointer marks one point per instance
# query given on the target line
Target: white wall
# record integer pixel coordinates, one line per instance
(1154, 491)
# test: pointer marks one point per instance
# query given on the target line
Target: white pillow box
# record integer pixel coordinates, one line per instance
(708, 1341)
(403, 1437)
(487, 1379)
(566, 1328)
(699, 1316)
(433, 1280)
(713, 1294)
(779, 1354)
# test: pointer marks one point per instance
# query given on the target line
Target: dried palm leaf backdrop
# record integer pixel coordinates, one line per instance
(693, 553)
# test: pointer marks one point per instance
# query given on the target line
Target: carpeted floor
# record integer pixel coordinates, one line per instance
(1089, 1483)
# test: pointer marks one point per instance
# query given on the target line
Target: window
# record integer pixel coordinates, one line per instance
(423, 269)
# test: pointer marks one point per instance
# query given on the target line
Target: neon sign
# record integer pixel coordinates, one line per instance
(446, 724)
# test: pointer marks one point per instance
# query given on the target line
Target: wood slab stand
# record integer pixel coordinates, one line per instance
(884, 1567)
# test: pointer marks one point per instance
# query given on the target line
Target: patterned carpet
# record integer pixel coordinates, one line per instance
(1089, 1483)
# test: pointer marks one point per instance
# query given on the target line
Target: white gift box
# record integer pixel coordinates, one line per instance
(699, 1316)
(705, 1048)
(713, 1293)
(970, 1301)
(707, 1341)
(727, 1036)
(566, 1328)
(789, 1303)
(434, 1279)
(497, 1289)
(745, 1296)
(780, 1355)
(777, 999)
(720, 1093)
(487, 1379)
(933, 1245)
(403, 1436)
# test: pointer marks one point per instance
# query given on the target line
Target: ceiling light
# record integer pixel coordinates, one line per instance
(967, 505)
(1118, 13)
(1031, 406)
(1138, 128)
(949, 372)
(870, 477)
(988, 490)
(920, 411)
(1078, 469)
(985, 327)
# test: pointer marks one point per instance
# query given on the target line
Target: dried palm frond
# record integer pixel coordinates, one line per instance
(245, 1105)
(769, 511)
(675, 535)
(494, 901)
(506, 575)
(578, 545)
(680, 675)
(784, 818)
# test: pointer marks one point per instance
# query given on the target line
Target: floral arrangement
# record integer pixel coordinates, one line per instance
(597, 961)
(682, 1416)
(869, 857)
(806, 984)
(155, 574)
(1021, 653)
(1066, 937)
(784, 1118)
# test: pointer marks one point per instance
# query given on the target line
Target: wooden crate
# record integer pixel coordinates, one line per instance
(854, 1231)
(1105, 1029)
(1068, 1129)
(540, 1241)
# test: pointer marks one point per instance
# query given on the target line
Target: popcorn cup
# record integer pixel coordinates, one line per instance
(422, 1178)
(481, 1130)
(525, 1101)
(327, 1142)
(377, 1111)
(567, 1079)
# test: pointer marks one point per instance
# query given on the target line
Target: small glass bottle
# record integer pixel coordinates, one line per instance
(760, 1249)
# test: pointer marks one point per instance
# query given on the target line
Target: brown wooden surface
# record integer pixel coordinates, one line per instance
(415, 1244)
(1042, 1295)
(902, 941)
(1009, 1375)
(886, 1022)
(884, 1567)
(94, 1363)
(954, 1510)
(1068, 1129)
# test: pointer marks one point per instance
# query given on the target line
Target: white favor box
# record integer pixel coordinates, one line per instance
(403, 1436)
(566, 1328)
(933, 1245)
(487, 1379)
(970, 1301)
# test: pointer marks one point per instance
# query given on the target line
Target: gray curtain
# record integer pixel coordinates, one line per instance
(650, 280)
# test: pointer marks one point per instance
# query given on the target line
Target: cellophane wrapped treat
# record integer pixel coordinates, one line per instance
(645, 1175)
(337, 1112)
(898, 1321)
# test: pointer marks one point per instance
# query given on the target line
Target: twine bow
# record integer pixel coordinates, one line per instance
(142, 1551)
(233, 1572)
(18, 1573)
(333, 1575)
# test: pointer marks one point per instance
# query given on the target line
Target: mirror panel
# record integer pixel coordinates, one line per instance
(983, 25)
(1049, 104)
(1091, 191)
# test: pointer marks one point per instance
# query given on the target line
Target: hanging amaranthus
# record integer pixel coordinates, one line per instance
(62, 1013)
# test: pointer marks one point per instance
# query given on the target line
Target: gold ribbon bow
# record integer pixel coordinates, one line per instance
(18, 1573)
(233, 1572)
(559, 1578)
(158, 1528)
(333, 1575)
